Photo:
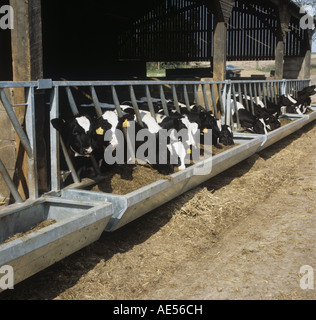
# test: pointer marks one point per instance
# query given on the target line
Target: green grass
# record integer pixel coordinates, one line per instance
(265, 70)
(152, 73)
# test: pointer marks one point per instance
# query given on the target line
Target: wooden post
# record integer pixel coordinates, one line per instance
(305, 72)
(27, 64)
(284, 21)
(222, 10)
(220, 50)
(279, 59)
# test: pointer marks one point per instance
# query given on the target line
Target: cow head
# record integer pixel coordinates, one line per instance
(259, 126)
(77, 134)
(198, 108)
(226, 136)
(209, 122)
(273, 123)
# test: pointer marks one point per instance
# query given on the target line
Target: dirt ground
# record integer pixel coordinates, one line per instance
(242, 235)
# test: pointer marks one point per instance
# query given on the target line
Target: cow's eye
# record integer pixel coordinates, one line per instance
(75, 132)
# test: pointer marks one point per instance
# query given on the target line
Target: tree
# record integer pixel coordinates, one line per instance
(306, 3)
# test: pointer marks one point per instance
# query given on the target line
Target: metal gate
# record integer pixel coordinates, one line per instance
(80, 216)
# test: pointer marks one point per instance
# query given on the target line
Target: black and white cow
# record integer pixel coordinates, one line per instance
(174, 147)
(195, 118)
(290, 103)
(271, 120)
(226, 136)
(205, 120)
(78, 134)
(267, 115)
(300, 104)
(247, 120)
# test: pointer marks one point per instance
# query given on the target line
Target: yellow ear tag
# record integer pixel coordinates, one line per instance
(100, 131)
(189, 151)
(126, 124)
(205, 130)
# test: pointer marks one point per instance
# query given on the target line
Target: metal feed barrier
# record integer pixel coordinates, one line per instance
(80, 215)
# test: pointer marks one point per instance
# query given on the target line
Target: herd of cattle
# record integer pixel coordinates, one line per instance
(84, 135)
(265, 118)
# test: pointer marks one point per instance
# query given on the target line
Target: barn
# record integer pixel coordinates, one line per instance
(64, 54)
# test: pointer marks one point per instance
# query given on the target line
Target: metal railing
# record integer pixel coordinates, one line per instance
(214, 96)
(294, 86)
(27, 137)
(264, 90)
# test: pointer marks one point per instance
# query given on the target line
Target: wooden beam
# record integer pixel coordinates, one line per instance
(27, 64)
(284, 21)
(305, 72)
(222, 10)
(220, 51)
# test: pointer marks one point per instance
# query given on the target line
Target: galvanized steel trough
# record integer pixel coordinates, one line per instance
(135, 204)
(78, 223)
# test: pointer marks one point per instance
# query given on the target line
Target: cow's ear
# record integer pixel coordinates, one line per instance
(101, 123)
(202, 115)
(58, 124)
(125, 117)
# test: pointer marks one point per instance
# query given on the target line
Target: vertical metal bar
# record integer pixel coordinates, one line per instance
(246, 95)
(116, 102)
(239, 93)
(220, 98)
(72, 102)
(31, 133)
(163, 100)
(251, 99)
(96, 101)
(235, 108)
(135, 106)
(264, 95)
(259, 93)
(207, 106)
(130, 145)
(255, 92)
(268, 91)
(231, 105)
(227, 104)
(186, 97)
(150, 103)
(283, 88)
(175, 98)
(275, 89)
(286, 87)
(68, 161)
(9, 183)
(54, 141)
(214, 100)
(196, 95)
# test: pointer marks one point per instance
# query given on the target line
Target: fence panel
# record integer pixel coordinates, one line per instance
(26, 136)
